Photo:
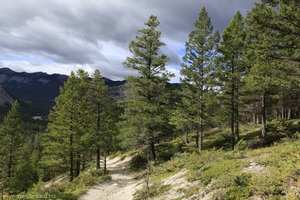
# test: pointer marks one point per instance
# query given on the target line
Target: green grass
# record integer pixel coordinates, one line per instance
(153, 191)
(66, 190)
(221, 171)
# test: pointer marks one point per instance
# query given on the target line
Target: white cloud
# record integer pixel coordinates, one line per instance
(57, 36)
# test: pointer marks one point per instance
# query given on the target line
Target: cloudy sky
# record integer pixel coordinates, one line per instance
(58, 36)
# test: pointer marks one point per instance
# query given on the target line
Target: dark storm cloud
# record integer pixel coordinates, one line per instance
(96, 33)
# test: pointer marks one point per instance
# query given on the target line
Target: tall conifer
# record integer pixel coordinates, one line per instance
(147, 95)
(197, 69)
(12, 141)
(232, 68)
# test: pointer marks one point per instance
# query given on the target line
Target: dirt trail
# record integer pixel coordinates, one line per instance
(122, 186)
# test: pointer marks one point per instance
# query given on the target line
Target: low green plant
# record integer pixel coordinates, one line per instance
(153, 191)
(222, 172)
(68, 190)
(138, 162)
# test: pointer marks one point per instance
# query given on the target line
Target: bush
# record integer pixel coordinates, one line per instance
(241, 145)
(241, 180)
(67, 190)
(138, 162)
(153, 191)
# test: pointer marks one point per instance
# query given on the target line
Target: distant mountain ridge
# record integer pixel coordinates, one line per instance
(5, 98)
(37, 91)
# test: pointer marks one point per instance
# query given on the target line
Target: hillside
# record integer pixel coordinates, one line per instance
(5, 99)
(254, 170)
(267, 173)
(37, 91)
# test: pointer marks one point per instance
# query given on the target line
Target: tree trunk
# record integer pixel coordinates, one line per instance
(263, 116)
(71, 158)
(148, 166)
(9, 164)
(236, 115)
(197, 139)
(98, 132)
(186, 138)
(289, 113)
(232, 122)
(98, 158)
(201, 113)
(105, 169)
(78, 157)
(257, 119)
(83, 162)
(200, 138)
(152, 151)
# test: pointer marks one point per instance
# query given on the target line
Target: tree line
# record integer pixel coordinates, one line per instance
(247, 74)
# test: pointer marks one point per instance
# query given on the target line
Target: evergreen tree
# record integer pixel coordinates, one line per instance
(98, 101)
(11, 143)
(109, 141)
(266, 73)
(59, 143)
(147, 94)
(281, 17)
(82, 119)
(232, 68)
(181, 120)
(197, 70)
(102, 123)
(68, 124)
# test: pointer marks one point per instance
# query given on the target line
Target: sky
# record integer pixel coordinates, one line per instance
(60, 36)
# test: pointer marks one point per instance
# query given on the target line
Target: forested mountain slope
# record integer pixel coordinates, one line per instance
(37, 91)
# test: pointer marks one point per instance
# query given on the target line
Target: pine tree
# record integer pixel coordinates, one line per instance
(109, 137)
(11, 137)
(11, 143)
(266, 73)
(232, 68)
(68, 126)
(59, 142)
(197, 69)
(147, 94)
(82, 120)
(181, 120)
(100, 109)
(282, 19)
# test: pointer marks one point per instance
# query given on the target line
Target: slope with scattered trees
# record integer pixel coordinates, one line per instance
(237, 108)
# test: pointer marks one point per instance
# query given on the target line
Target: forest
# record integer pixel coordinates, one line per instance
(248, 75)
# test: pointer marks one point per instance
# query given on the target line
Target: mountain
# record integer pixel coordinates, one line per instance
(37, 91)
(5, 98)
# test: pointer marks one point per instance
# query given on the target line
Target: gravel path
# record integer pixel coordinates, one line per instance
(121, 187)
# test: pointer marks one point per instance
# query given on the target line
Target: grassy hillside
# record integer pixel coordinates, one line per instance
(61, 188)
(257, 169)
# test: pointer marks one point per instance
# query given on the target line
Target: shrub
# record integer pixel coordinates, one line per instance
(153, 191)
(241, 145)
(138, 162)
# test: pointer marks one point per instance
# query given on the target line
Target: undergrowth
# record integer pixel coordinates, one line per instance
(220, 172)
(65, 190)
